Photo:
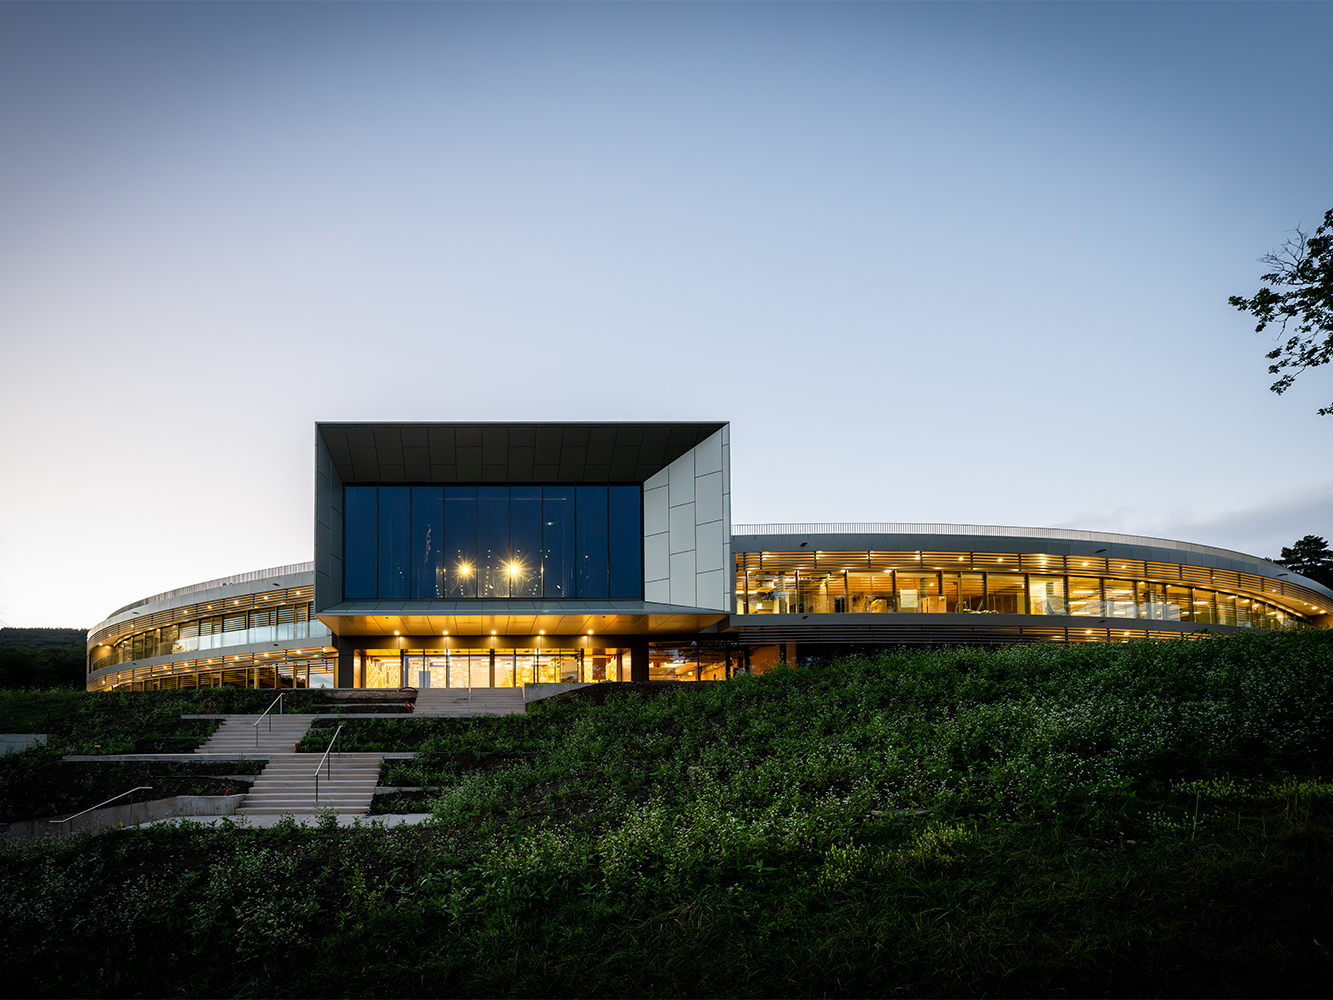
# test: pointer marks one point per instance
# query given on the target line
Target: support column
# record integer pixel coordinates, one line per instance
(492, 666)
(638, 659)
(346, 663)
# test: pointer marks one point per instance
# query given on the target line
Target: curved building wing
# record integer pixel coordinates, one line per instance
(505, 554)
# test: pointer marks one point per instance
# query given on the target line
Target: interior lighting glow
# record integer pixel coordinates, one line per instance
(513, 569)
(465, 570)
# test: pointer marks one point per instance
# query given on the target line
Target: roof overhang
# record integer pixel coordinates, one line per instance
(507, 452)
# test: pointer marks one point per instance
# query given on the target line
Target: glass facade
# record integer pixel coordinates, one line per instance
(484, 668)
(1000, 583)
(492, 542)
(218, 631)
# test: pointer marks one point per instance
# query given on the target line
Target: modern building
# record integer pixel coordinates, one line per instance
(457, 554)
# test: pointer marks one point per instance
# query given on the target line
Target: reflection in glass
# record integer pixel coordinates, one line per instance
(360, 520)
(525, 533)
(492, 541)
(1046, 595)
(460, 542)
(591, 541)
(394, 541)
(1179, 604)
(1120, 599)
(558, 541)
(427, 541)
(625, 521)
(1085, 596)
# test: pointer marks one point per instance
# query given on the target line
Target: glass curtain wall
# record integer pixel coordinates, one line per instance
(493, 542)
(799, 583)
(502, 668)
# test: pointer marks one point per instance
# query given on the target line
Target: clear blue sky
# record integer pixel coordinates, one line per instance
(935, 263)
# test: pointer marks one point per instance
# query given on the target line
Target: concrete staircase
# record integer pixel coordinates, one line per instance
(454, 702)
(238, 734)
(346, 785)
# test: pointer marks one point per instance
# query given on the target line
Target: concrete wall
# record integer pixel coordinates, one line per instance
(113, 817)
(687, 528)
(17, 742)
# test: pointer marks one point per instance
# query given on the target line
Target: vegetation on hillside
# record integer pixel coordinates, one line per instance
(42, 658)
(1137, 819)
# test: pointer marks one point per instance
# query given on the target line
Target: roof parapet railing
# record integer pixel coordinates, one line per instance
(324, 762)
(99, 805)
(276, 701)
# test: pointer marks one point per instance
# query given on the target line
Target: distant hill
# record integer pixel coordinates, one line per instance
(42, 657)
(42, 638)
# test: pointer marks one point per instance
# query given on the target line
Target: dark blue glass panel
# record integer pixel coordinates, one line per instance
(591, 541)
(460, 542)
(427, 541)
(625, 521)
(525, 541)
(558, 541)
(395, 534)
(492, 541)
(360, 526)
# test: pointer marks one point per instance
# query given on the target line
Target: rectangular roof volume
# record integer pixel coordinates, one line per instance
(507, 452)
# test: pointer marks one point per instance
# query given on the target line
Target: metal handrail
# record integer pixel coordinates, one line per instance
(101, 804)
(276, 701)
(324, 759)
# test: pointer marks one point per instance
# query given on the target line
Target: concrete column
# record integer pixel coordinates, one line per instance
(638, 658)
(346, 663)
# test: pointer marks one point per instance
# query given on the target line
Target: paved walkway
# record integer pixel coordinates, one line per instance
(263, 821)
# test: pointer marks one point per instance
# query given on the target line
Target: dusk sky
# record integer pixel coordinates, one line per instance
(940, 263)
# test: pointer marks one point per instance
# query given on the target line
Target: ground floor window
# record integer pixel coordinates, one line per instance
(381, 668)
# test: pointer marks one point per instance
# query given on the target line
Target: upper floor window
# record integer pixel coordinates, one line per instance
(492, 542)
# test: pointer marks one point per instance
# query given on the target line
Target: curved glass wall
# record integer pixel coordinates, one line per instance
(1007, 583)
(289, 669)
(236, 628)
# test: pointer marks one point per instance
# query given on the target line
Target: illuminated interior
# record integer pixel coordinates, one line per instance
(868, 582)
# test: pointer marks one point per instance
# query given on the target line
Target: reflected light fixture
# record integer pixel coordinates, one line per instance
(465, 569)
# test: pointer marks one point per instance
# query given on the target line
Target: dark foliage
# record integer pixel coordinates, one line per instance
(1302, 270)
(1311, 557)
(42, 657)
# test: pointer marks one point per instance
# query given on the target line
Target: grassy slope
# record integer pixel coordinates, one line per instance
(1143, 819)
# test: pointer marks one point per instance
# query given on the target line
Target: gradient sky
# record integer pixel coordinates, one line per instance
(934, 263)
